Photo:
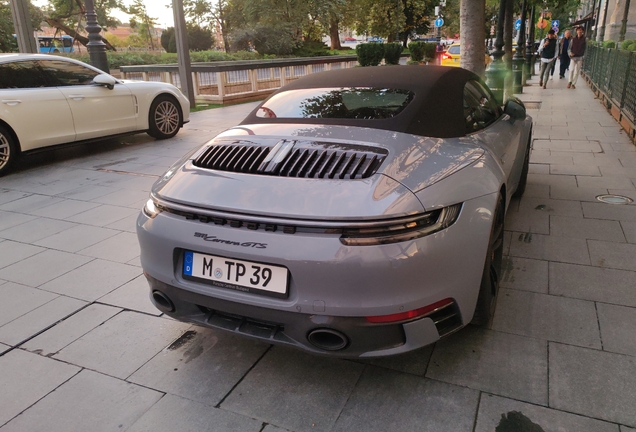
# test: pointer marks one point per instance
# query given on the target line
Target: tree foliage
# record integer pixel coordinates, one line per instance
(199, 39)
(142, 22)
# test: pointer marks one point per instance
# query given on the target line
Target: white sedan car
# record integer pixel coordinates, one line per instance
(48, 100)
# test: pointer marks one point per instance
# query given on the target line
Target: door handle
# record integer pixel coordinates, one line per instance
(77, 97)
(11, 102)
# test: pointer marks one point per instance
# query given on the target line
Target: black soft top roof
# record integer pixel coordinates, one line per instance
(437, 110)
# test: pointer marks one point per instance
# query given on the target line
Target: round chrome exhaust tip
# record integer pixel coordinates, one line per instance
(328, 339)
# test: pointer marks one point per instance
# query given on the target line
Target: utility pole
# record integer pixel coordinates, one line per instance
(23, 26)
(183, 50)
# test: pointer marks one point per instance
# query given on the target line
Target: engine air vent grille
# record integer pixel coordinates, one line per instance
(300, 159)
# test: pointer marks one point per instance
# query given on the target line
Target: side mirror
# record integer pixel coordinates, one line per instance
(515, 109)
(105, 80)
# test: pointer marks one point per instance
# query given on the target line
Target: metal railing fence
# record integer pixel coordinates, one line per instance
(613, 72)
(223, 82)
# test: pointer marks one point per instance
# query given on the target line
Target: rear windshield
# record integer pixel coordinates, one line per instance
(453, 50)
(337, 103)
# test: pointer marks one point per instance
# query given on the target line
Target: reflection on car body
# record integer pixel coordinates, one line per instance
(380, 194)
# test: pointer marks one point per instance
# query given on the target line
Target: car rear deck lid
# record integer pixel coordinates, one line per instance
(293, 158)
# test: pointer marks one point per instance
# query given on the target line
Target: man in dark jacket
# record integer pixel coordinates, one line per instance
(576, 51)
(564, 57)
(548, 51)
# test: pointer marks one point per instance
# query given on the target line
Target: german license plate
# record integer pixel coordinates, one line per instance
(235, 274)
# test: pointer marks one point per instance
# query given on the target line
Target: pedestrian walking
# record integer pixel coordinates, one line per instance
(548, 52)
(564, 57)
(576, 52)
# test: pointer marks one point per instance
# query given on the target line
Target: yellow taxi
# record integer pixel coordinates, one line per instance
(451, 56)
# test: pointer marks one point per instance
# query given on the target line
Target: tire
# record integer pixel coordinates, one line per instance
(8, 151)
(523, 179)
(489, 287)
(165, 118)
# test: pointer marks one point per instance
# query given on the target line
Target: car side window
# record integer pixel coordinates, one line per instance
(21, 75)
(480, 110)
(65, 73)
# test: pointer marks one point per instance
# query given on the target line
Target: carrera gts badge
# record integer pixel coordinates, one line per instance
(215, 239)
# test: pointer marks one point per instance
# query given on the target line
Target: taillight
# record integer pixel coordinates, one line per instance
(447, 57)
(417, 313)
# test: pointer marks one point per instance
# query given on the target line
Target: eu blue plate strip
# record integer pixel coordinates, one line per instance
(188, 259)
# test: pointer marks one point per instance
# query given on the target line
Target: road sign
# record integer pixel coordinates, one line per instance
(518, 24)
(542, 23)
(439, 22)
(556, 30)
(555, 23)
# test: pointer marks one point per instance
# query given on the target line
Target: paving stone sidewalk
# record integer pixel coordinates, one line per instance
(82, 348)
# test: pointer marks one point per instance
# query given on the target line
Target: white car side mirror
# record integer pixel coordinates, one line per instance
(105, 80)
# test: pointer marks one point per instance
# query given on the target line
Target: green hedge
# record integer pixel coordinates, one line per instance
(609, 44)
(370, 54)
(417, 51)
(422, 51)
(392, 52)
(628, 45)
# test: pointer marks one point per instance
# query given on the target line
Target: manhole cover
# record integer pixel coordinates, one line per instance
(614, 199)
(532, 105)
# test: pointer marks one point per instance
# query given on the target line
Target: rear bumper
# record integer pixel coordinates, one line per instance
(358, 338)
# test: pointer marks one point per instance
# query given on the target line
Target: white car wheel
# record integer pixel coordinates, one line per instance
(8, 151)
(165, 118)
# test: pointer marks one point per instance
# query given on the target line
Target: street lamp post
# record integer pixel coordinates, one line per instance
(530, 45)
(518, 60)
(96, 47)
(496, 73)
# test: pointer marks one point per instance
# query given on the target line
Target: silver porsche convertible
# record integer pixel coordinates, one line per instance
(354, 213)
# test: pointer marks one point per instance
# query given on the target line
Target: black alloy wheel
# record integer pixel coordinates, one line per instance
(489, 288)
(165, 118)
(8, 151)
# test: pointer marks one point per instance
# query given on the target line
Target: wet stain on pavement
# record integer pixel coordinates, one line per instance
(525, 237)
(184, 339)
(543, 207)
(514, 421)
(193, 352)
(507, 270)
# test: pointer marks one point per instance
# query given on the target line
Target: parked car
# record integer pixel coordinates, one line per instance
(49, 100)
(350, 39)
(376, 39)
(352, 214)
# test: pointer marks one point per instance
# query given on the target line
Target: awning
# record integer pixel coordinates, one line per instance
(587, 18)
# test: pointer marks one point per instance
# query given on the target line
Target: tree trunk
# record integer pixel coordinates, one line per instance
(333, 34)
(473, 52)
(508, 25)
(71, 32)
